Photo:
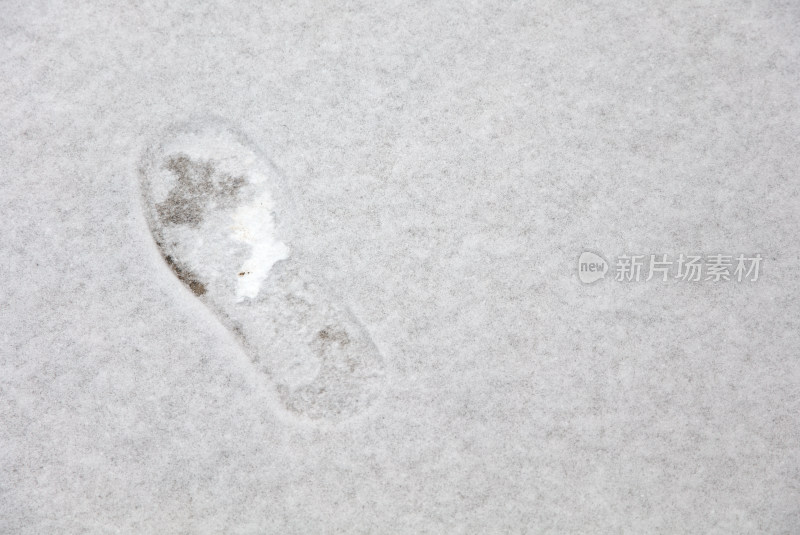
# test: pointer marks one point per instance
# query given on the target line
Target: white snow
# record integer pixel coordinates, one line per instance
(452, 159)
(253, 225)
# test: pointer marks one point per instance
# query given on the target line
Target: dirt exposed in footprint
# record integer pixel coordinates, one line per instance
(331, 335)
(186, 276)
(197, 182)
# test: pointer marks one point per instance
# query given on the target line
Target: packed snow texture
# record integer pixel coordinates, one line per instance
(449, 162)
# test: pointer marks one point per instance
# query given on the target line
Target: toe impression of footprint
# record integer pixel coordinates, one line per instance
(221, 217)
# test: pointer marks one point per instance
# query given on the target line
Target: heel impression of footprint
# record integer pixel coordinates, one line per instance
(222, 218)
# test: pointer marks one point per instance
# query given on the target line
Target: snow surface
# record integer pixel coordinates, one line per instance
(450, 162)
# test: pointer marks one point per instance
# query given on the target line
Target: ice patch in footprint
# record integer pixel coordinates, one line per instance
(222, 219)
